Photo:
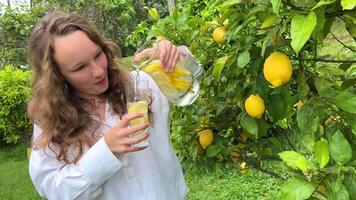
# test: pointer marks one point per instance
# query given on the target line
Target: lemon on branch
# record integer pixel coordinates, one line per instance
(218, 35)
(243, 168)
(277, 69)
(255, 106)
(205, 137)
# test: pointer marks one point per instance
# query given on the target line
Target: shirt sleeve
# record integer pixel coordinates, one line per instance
(84, 180)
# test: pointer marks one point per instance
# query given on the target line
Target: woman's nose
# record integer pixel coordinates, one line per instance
(97, 70)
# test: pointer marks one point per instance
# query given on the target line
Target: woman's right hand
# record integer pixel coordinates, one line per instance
(119, 139)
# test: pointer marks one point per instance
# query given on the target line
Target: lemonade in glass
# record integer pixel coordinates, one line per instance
(137, 99)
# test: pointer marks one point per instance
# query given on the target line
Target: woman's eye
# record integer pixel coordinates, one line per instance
(97, 55)
(80, 67)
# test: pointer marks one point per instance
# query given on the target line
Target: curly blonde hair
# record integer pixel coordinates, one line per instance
(54, 107)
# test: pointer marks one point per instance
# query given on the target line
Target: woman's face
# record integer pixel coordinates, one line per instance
(82, 63)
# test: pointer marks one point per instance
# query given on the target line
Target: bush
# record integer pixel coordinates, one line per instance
(14, 93)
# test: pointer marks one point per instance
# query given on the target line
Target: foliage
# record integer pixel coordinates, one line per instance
(116, 19)
(15, 28)
(317, 139)
(15, 92)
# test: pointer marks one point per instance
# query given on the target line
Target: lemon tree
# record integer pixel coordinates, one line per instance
(279, 84)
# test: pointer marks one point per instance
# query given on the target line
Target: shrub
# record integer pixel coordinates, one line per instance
(14, 93)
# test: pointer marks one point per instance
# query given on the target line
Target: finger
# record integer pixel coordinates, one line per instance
(139, 138)
(169, 47)
(125, 120)
(145, 53)
(133, 129)
(129, 149)
(172, 59)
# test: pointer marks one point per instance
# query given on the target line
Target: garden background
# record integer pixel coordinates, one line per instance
(303, 146)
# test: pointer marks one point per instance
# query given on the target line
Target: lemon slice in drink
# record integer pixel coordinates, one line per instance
(138, 107)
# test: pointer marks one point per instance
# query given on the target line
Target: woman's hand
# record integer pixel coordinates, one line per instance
(118, 138)
(169, 54)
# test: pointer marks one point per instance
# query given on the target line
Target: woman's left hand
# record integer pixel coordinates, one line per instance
(169, 54)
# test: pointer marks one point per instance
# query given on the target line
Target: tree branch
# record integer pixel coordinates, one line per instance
(339, 13)
(350, 48)
(283, 133)
(273, 174)
(323, 60)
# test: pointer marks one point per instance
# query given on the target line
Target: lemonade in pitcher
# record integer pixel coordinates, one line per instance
(173, 84)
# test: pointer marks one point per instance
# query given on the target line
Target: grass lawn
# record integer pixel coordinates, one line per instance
(204, 183)
(15, 182)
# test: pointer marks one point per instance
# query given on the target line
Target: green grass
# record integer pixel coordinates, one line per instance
(204, 183)
(227, 183)
(15, 182)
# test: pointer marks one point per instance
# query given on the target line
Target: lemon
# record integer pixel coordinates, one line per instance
(138, 107)
(299, 105)
(205, 137)
(255, 106)
(235, 154)
(277, 69)
(218, 35)
(172, 84)
(322, 189)
(243, 168)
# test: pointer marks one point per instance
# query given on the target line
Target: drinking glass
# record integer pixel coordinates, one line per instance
(138, 100)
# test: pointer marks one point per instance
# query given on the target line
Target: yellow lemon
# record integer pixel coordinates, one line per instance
(138, 107)
(243, 168)
(205, 137)
(172, 84)
(322, 189)
(299, 105)
(235, 154)
(218, 35)
(255, 106)
(277, 69)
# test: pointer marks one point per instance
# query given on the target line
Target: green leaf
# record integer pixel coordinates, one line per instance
(296, 160)
(275, 5)
(340, 149)
(346, 100)
(351, 120)
(153, 13)
(323, 2)
(250, 125)
(301, 29)
(350, 184)
(277, 107)
(229, 3)
(348, 4)
(318, 32)
(322, 152)
(269, 21)
(297, 189)
(243, 59)
(337, 190)
(323, 86)
(307, 119)
(218, 67)
(330, 70)
(213, 150)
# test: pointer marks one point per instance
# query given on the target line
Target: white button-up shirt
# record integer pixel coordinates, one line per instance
(151, 174)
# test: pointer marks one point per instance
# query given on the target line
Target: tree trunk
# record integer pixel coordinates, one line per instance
(171, 5)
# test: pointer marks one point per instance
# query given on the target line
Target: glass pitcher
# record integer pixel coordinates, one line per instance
(181, 86)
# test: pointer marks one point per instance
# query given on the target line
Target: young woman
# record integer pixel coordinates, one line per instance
(82, 147)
